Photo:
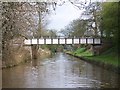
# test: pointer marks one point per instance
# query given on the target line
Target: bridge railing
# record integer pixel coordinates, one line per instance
(63, 41)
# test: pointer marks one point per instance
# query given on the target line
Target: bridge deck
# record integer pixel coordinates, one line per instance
(63, 41)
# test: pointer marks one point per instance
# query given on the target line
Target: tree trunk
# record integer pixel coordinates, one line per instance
(34, 51)
(95, 20)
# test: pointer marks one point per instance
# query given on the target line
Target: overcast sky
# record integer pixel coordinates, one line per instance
(64, 14)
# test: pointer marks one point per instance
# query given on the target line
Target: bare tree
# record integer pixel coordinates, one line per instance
(21, 19)
(92, 12)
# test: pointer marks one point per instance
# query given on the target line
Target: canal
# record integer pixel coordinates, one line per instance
(58, 71)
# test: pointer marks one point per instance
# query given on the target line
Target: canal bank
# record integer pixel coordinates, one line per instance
(98, 61)
(23, 55)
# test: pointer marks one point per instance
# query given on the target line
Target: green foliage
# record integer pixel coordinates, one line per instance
(78, 27)
(82, 52)
(110, 14)
(75, 28)
(50, 33)
(79, 50)
(43, 46)
(52, 48)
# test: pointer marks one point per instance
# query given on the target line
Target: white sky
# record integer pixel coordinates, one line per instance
(64, 14)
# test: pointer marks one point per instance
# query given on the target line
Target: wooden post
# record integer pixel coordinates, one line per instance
(92, 48)
(34, 48)
(44, 40)
(58, 41)
(65, 40)
(73, 40)
(34, 51)
(79, 41)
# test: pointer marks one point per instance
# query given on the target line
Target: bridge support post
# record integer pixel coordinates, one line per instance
(92, 49)
(34, 51)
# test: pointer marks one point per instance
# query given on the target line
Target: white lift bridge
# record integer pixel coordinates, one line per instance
(62, 40)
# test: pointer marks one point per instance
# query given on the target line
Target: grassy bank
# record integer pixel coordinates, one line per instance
(109, 57)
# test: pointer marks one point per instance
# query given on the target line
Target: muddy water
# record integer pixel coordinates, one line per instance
(60, 71)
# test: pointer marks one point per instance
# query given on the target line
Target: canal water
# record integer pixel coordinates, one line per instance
(59, 71)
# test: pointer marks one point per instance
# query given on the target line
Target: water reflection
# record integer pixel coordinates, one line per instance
(59, 71)
(34, 62)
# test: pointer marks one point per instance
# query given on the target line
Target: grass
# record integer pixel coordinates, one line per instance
(108, 57)
(83, 52)
(80, 50)
(86, 53)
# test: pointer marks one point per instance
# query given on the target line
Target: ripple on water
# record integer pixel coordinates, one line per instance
(60, 71)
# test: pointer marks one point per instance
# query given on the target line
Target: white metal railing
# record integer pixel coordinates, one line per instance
(63, 41)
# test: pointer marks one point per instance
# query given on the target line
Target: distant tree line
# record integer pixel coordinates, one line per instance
(99, 19)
